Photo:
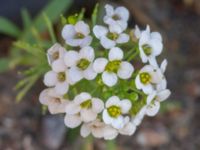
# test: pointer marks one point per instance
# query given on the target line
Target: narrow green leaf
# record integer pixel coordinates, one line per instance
(26, 88)
(53, 10)
(4, 64)
(81, 14)
(50, 28)
(94, 14)
(7, 27)
(26, 18)
(31, 49)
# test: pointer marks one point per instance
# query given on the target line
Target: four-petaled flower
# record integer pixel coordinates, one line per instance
(111, 36)
(114, 67)
(80, 64)
(115, 110)
(83, 108)
(77, 35)
(55, 103)
(150, 44)
(118, 16)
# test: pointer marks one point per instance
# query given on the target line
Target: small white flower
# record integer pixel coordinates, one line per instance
(77, 35)
(110, 37)
(114, 111)
(114, 67)
(147, 78)
(55, 103)
(118, 16)
(58, 78)
(80, 64)
(54, 53)
(83, 108)
(150, 44)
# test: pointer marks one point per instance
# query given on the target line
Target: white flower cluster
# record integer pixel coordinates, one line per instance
(99, 116)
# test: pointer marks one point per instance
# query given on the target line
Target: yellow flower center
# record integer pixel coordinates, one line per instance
(83, 64)
(147, 49)
(86, 104)
(116, 17)
(145, 77)
(79, 36)
(61, 76)
(113, 66)
(55, 55)
(112, 36)
(114, 111)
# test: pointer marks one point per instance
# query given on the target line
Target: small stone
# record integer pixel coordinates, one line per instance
(152, 138)
(53, 131)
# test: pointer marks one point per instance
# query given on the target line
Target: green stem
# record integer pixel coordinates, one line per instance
(134, 55)
(88, 143)
(111, 145)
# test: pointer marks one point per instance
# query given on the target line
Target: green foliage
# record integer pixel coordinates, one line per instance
(7, 27)
(95, 14)
(30, 47)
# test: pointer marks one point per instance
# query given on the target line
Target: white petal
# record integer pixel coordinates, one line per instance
(97, 105)
(62, 88)
(115, 54)
(118, 123)
(107, 43)
(82, 97)
(88, 115)
(59, 66)
(50, 78)
(85, 130)
(128, 129)
(125, 106)
(115, 28)
(144, 38)
(157, 47)
(125, 71)
(110, 133)
(85, 42)
(98, 132)
(148, 89)
(72, 121)
(71, 58)
(89, 73)
(153, 61)
(99, 65)
(143, 55)
(163, 95)
(156, 35)
(153, 109)
(74, 42)
(110, 79)
(68, 31)
(87, 53)
(100, 31)
(113, 100)
(137, 32)
(150, 97)
(44, 97)
(109, 10)
(106, 118)
(156, 76)
(123, 38)
(56, 107)
(138, 83)
(163, 65)
(82, 27)
(72, 108)
(162, 85)
(74, 75)
(123, 13)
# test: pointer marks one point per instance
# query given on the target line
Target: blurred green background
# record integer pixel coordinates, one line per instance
(22, 125)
